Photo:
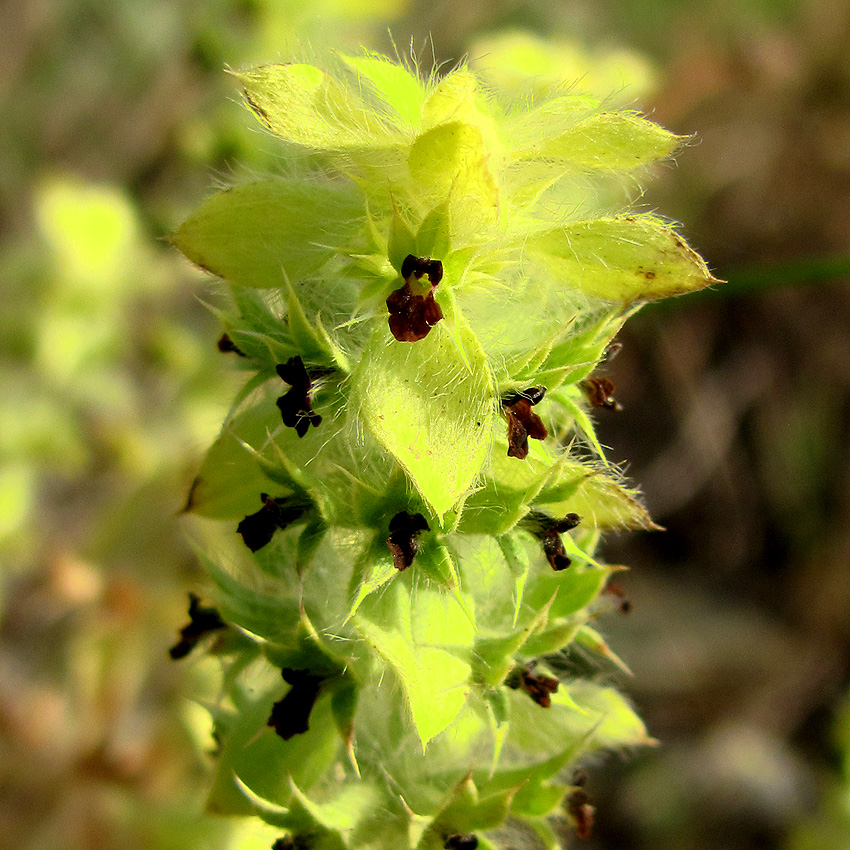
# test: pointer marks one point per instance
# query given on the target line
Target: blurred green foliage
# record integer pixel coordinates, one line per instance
(829, 827)
(110, 388)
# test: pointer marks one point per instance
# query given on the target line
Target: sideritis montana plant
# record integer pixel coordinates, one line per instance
(400, 514)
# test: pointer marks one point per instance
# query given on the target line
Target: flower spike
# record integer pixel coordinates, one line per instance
(435, 264)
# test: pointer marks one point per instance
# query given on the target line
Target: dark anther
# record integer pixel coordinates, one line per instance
(548, 530)
(409, 266)
(419, 266)
(523, 422)
(404, 538)
(285, 843)
(533, 395)
(413, 310)
(296, 407)
(291, 715)
(459, 841)
(539, 688)
(600, 393)
(226, 344)
(257, 529)
(614, 588)
(202, 621)
(581, 812)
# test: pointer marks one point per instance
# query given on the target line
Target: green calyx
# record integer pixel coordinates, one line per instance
(400, 513)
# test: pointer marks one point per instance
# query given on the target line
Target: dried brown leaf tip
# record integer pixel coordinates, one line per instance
(539, 688)
(202, 621)
(523, 422)
(403, 541)
(600, 393)
(581, 811)
(549, 530)
(413, 310)
(296, 407)
(258, 529)
(291, 715)
(226, 344)
(461, 841)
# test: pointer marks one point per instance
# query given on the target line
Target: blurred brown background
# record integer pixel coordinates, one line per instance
(116, 120)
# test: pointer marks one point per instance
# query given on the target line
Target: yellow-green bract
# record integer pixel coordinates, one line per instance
(431, 644)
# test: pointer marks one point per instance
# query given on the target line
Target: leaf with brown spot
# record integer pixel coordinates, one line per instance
(623, 258)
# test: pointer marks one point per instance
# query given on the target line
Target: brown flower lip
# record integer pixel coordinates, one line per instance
(412, 314)
(539, 688)
(614, 588)
(403, 541)
(291, 715)
(549, 530)
(581, 812)
(523, 422)
(257, 529)
(202, 621)
(600, 393)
